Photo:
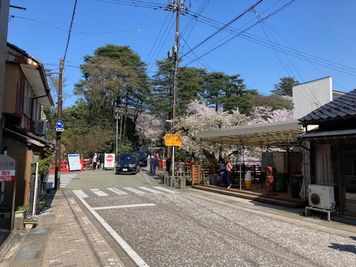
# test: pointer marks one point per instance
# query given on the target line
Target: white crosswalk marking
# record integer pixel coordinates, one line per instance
(80, 193)
(116, 191)
(164, 189)
(65, 179)
(112, 191)
(133, 190)
(99, 193)
(151, 190)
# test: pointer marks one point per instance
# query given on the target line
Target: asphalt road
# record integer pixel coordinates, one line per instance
(157, 227)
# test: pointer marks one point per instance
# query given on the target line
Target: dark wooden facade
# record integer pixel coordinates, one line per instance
(336, 122)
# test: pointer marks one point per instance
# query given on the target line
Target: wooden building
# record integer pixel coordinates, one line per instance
(331, 146)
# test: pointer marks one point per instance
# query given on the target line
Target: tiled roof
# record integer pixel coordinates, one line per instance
(340, 108)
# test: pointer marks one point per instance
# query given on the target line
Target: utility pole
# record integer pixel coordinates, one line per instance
(177, 6)
(117, 117)
(58, 133)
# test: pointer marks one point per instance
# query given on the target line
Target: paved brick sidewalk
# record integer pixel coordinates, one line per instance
(64, 237)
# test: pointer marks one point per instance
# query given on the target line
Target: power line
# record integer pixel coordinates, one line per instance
(142, 4)
(192, 23)
(166, 28)
(224, 27)
(70, 30)
(266, 43)
(76, 32)
(291, 51)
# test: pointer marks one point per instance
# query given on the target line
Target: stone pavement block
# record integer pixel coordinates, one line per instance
(64, 237)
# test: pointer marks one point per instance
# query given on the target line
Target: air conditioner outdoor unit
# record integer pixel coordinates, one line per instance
(40, 127)
(321, 196)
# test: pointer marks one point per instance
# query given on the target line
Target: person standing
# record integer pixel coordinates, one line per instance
(95, 157)
(156, 163)
(222, 172)
(228, 173)
(152, 164)
(168, 165)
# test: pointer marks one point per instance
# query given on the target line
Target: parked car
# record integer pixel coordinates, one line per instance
(128, 163)
(143, 158)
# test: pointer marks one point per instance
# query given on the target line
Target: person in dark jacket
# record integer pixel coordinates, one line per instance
(168, 165)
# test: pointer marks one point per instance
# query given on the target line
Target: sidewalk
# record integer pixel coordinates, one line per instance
(64, 237)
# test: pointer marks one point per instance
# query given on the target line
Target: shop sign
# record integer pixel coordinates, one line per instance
(7, 169)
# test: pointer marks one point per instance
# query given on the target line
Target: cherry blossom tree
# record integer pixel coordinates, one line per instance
(199, 118)
(149, 127)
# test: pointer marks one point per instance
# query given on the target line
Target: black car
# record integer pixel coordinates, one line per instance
(128, 163)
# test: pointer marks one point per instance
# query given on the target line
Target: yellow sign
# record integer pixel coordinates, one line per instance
(173, 139)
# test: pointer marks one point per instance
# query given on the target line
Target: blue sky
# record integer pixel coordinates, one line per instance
(324, 29)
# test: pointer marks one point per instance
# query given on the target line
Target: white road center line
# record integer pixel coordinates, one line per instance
(116, 191)
(133, 190)
(125, 206)
(132, 254)
(99, 193)
(150, 189)
(165, 189)
(80, 193)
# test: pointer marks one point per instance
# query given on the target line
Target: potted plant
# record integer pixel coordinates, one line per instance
(30, 221)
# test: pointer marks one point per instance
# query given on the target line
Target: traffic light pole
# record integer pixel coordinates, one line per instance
(58, 133)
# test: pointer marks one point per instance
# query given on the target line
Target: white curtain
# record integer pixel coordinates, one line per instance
(323, 165)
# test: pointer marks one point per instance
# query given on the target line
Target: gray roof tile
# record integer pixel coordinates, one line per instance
(340, 108)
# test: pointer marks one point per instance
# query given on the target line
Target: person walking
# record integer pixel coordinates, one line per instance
(228, 173)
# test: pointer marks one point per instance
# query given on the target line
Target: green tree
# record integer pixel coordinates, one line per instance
(227, 92)
(112, 73)
(190, 84)
(285, 86)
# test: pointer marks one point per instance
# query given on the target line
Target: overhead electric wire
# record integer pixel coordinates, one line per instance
(246, 29)
(156, 40)
(200, 62)
(70, 30)
(142, 4)
(293, 67)
(192, 23)
(276, 53)
(163, 38)
(76, 32)
(250, 37)
(223, 27)
(290, 51)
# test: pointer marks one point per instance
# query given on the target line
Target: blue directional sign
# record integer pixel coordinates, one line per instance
(59, 126)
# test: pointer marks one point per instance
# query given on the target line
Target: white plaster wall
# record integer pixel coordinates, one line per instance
(309, 96)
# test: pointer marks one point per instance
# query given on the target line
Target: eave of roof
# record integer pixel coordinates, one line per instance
(260, 135)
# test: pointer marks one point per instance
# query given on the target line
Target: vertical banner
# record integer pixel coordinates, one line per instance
(74, 162)
(109, 161)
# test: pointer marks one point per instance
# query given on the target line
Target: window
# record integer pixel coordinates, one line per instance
(27, 104)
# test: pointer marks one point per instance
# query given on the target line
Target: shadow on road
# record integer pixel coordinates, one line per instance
(346, 248)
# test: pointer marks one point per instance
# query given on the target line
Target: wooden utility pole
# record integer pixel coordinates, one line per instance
(58, 133)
